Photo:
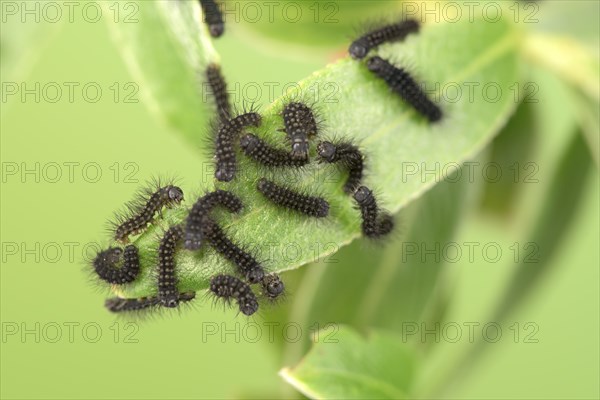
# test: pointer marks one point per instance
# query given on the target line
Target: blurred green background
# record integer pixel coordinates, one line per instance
(59, 342)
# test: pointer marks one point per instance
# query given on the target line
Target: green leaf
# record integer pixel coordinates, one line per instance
(409, 279)
(568, 58)
(579, 66)
(548, 232)
(576, 19)
(382, 288)
(166, 49)
(344, 365)
(306, 29)
(390, 133)
(510, 151)
(588, 114)
(388, 286)
(553, 223)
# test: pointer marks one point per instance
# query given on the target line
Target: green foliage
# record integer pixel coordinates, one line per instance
(392, 136)
(547, 67)
(343, 364)
(169, 50)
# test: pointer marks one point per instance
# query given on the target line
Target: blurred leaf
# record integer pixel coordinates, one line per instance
(509, 152)
(390, 133)
(575, 18)
(577, 64)
(553, 222)
(406, 284)
(588, 114)
(561, 204)
(309, 28)
(167, 51)
(383, 287)
(364, 286)
(344, 365)
(568, 58)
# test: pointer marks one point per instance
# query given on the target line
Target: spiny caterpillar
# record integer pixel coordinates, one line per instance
(140, 212)
(213, 17)
(272, 286)
(218, 87)
(346, 154)
(227, 133)
(118, 304)
(200, 212)
(264, 154)
(167, 281)
(229, 287)
(300, 124)
(285, 197)
(106, 260)
(388, 33)
(400, 82)
(375, 223)
(249, 267)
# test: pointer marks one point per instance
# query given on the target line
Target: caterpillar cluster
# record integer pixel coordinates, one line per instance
(200, 227)
(119, 266)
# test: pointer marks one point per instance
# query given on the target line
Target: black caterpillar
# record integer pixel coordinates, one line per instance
(400, 82)
(118, 304)
(346, 154)
(218, 87)
(272, 286)
(375, 223)
(106, 260)
(249, 267)
(213, 17)
(167, 281)
(141, 212)
(388, 33)
(227, 133)
(200, 213)
(300, 124)
(229, 287)
(264, 154)
(285, 197)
